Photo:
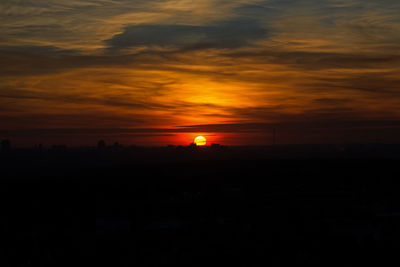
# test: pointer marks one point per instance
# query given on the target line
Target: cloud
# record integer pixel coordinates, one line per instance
(85, 24)
(37, 50)
(319, 60)
(224, 34)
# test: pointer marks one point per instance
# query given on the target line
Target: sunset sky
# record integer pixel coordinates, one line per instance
(158, 72)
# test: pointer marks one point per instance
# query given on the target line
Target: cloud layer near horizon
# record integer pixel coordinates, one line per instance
(311, 67)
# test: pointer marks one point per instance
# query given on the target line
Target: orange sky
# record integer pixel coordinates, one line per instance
(162, 72)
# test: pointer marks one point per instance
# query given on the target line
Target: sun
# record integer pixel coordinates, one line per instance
(200, 141)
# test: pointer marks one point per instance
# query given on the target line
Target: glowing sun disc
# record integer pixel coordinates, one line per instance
(200, 141)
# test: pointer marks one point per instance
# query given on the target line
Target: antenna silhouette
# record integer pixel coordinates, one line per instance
(273, 136)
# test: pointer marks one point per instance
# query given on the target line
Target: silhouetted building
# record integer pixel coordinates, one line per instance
(192, 145)
(5, 145)
(217, 147)
(39, 147)
(101, 144)
(116, 146)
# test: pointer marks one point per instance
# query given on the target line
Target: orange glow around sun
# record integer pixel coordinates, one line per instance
(200, 141)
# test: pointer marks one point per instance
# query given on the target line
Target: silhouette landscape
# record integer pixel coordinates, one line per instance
(199, 133)
(190, 205)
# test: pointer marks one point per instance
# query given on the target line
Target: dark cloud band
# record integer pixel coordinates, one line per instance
(225, 34)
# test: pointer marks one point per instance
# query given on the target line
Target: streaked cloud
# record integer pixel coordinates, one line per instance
(222, 34)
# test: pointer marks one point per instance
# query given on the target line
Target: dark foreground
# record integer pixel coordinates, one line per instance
(191, 207)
